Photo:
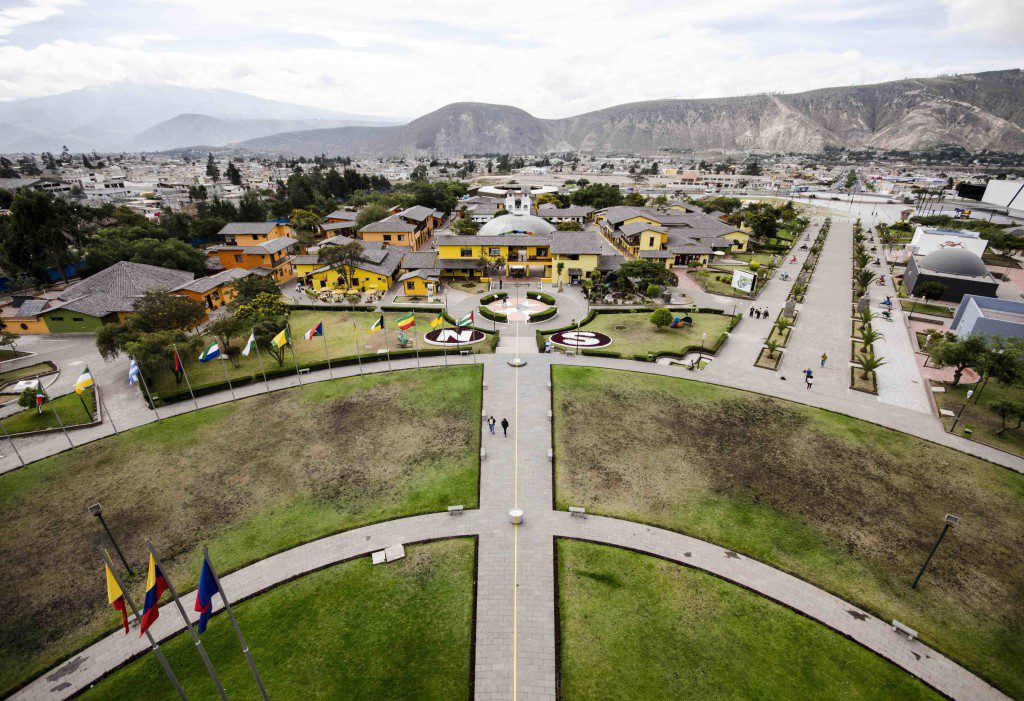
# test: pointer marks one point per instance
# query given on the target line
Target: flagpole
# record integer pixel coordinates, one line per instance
(444, 313)
(66, 435)
(11, 440)
(149, 395)
(327, 354)
(355, 341)
(152, 641)
(238, 631)
(81, 398)
(227, 377)
(416, 341)
(187, 383)
(291, 347)
(103, 408)
(259, 357)
(188, 623)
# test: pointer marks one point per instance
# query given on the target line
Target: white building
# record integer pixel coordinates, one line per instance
(1006, 193)
(929, 240)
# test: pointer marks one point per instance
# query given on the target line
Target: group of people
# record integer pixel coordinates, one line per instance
(491, 422)
(809, 374)
(758, 313)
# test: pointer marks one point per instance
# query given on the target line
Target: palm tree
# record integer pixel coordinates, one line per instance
(868, 336)
(772, 346)
(782, 324)
(861, 260)
(864, 278)
(868, 363)
(865, 319)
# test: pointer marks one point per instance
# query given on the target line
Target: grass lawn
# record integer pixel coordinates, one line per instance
(8, 354)
(847, 505)
(635, 626)
(341, 340)
(641, 336)
(984, 422)
(250, 478)
(925, 308)
(69, 407)
(708, 280)
(763, 258)
(401, 630)
(27, 371)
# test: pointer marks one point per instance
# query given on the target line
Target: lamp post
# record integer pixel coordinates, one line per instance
(700, 355)
(97, 511)
(950, 521)
(970, 393)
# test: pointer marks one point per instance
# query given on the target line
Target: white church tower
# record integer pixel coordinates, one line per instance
(518, 202)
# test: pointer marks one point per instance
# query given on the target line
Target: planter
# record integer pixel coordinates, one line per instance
(781, 338)
(868, 386)
(763, 361)
(856, 348)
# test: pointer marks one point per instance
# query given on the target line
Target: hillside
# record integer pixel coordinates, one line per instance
(976, 111)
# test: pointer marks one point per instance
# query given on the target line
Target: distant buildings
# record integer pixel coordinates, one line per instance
(410, 228)
(263, 247)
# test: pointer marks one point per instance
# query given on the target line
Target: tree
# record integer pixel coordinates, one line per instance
(959, 354)
(262, 307)
(772, 346)
(251, 208)
(661, 318)
(212, 171)
(234, 175)
(224, 328)
(369, 214)
(644, 273)
(464, 227)
(548, 198)
(568, 226)
(868, 363)
(305, 223)
(41, 232)
(869, 336)
(634, 199)
(342, 257)
(27, 398)
(597, 195)
(653, 291)
(864, 279)
(931, 289)
(763, 224)
(418, 174)
(1005, 408)
(246, 288)
(264, 332)
(753, 168)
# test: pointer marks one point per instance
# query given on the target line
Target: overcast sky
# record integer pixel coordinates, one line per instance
(402, 58)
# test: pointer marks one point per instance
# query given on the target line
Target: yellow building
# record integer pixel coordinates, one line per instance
(410, 227)
(579, 254)
(523, 255)
(255, 233)
(376, 269)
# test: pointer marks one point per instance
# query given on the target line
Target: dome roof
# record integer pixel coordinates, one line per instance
(515, 224)
(954, 261)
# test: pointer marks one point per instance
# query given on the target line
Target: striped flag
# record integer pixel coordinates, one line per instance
(438, 320)
(212, 351)
(156, 585)
(317, 330)
(178, 366)
(377, 325)
(407, 322)
(84, 381)
(115, 597)
(282, 339)
(133, 372)
(249, 345)
(466, 321)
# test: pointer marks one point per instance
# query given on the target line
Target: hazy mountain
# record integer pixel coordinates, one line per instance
(976, 111)
(111, 116)
(204, 130)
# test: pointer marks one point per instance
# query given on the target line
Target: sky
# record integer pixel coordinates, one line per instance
(403, 58)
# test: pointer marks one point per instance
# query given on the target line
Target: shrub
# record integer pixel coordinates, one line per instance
(753, 265)
(661, 318)
(653, 291)
(487, 299)
(492, 316)
(541, 297)
(541, 316)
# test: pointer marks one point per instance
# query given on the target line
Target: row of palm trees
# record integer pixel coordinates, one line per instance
(866, 360)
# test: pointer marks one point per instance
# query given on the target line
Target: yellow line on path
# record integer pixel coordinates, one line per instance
(515, 536)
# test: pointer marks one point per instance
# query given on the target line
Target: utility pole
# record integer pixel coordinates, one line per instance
(950, 522)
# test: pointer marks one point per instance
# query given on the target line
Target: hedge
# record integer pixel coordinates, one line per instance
(410, 308)
(492, 297)
(540, 297)
(541, 316)
(336, 307)
(492, 316)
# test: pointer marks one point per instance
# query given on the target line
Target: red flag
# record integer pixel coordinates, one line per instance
(177, 363)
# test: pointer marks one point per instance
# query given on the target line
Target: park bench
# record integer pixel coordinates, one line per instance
(303, 371)
(904, 629)
(455, 510)
(577, 512)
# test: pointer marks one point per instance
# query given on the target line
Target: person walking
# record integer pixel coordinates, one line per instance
(765, 312)
(824, 357)
(490, 424)
(810, 379)
(750, 312)
(757, 313)
(504, 427)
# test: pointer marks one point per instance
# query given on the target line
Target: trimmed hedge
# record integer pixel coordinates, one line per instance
(335, 307)
(410, 308)
(541, 316)
(541, 297)
(493, 297)
(492, 316)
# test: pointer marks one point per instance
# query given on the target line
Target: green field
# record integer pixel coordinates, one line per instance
(69, 408)
(641, 337)
(401, 630)
(984, 422)
(10, 354)
(342, 341)
(249, 478)
(637, 627)
(27, 371)
(925, 308)
(708, 280)
(847, 505)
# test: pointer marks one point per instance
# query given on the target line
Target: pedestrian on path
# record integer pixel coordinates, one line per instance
(504, 427)
(810, 379)
(490, 424)
(824, 357)
(765, 312)
(757, 313)
(750, 312)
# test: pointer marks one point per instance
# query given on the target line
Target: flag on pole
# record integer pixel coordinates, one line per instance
(156, 585)
(212, 351)
(204, 596)
(84, 381)
(40, 398)
(466, 321)
(115, 597)
(317, 330)
(133, 372)
(438, 320)
(178, 367)
(282, 339)
(407, 322)
(249, 345)
(377, 325)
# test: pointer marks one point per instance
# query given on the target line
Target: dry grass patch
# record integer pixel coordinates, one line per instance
(847, 505)
(860, 383)
(764, 360)
(249, 478)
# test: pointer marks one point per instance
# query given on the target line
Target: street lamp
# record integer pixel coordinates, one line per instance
(97, 511)
(950, 521)
(967, 401)
(700, 356)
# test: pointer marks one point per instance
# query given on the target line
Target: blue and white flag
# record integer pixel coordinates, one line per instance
(133, 372)
(212, 351)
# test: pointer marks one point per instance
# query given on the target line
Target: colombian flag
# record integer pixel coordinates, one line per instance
(155, 587)
(115, 597)
(204, 596)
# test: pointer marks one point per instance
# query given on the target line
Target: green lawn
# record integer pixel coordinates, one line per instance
(638, 627)
(925, 308)
(847, 505)
(708, 279)
(401, 630)
(342, 341)
(27, 371)
(984, 422)
(640, 336)
(762, 258)
(9, 354)
(249, 478)
(69, 407)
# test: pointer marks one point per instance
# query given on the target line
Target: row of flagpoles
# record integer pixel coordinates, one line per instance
(157, 583)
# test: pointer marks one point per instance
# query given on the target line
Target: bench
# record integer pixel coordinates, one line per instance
(463, 352)
(303, 371)
(455, 510)
(904, 629)
(551, 455)
(577, 512)
(483, 455)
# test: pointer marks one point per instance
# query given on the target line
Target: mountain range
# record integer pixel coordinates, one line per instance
(142, 117)
(977, 111)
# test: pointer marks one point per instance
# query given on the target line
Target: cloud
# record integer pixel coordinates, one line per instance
(1002, 20)
(136, 41)
(32, 12)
